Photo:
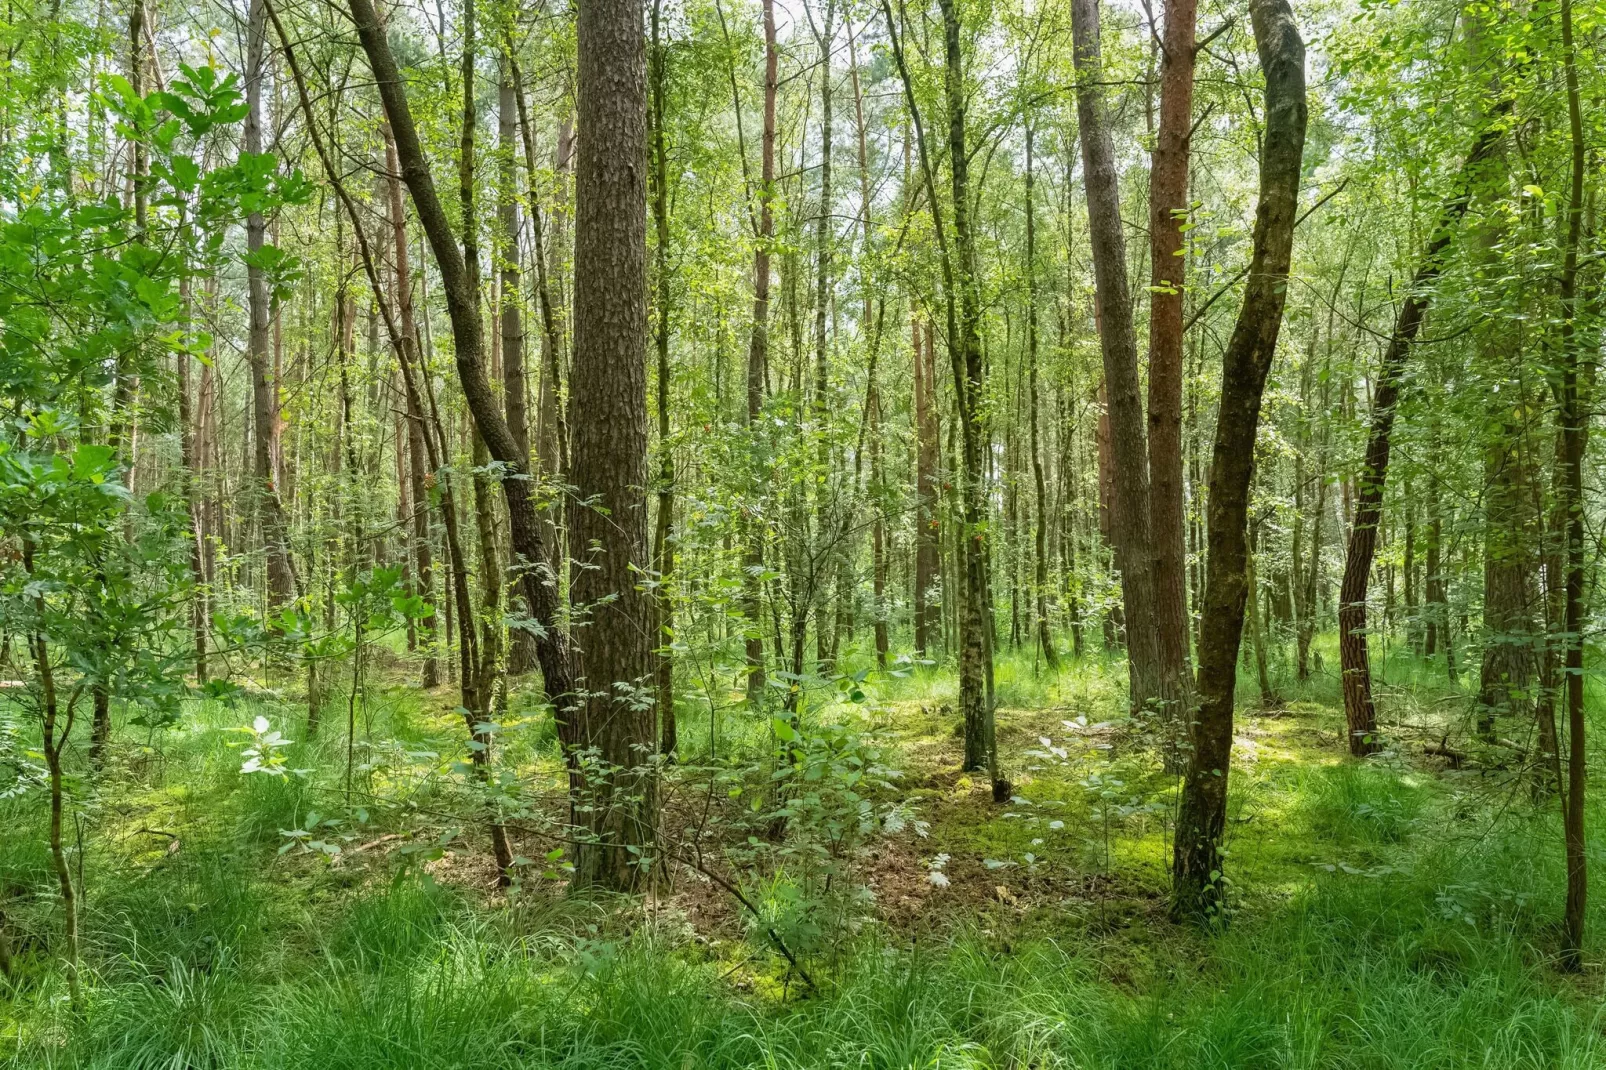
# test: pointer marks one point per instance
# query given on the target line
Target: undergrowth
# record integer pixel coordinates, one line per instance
(1385, 914)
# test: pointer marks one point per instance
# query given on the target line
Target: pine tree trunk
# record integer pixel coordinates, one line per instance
(1168, 209)
(608, 424)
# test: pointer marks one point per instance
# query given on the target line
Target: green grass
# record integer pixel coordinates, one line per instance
(1384, 915)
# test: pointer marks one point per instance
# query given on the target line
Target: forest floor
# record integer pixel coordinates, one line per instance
(1396, 912)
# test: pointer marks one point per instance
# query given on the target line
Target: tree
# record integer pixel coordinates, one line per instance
(1129, 461)
(1359, 712)
(608, 424)
(1197, 864)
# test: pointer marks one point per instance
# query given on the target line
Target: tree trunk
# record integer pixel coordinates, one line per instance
(199, 612)
(264, 388)
(515, 391)
(1129, 497)
(608, 424)
(1043, 629)
(1507, 667)
(1168, 209)
(975, 625)
(758, 350)
(663, 550)
(420, 470)
(928, 523)
(1359, 712)
(1198, 863)
(1573, 420)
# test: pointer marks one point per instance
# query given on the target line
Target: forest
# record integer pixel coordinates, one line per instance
(801, 534)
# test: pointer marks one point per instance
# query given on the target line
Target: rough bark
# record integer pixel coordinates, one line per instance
(608, 425)
(1201, 818)
(1573, 420)
(975, 649)
(1168, 209)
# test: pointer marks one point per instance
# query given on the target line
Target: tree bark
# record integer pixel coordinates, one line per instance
(1197, 862)
(975, 651)
(1168, 209)
(608, 424)
(1129, 467)
(758, 356)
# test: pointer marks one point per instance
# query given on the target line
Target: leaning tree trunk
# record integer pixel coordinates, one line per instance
(524, 532)
(1197, 863)
(1360, 714)
(608, 426)
(1129, 467)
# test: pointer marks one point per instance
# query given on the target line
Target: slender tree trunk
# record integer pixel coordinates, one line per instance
(758, 356)
(663, 550)
(1359, 712)
(264, 389)
(975, 653)
(608, 422)
(928, 523)
(1043, 629)
(1129, 467)
(1257, 633)
(200, 615)
(53, 745)
(515, 389)
(419, 468)
(1572, 416)
(1201, 818)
